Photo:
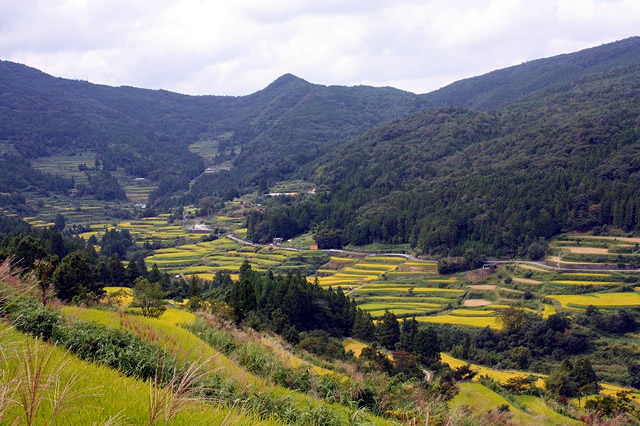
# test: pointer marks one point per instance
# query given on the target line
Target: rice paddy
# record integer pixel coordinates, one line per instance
(572, 282)
(599, 300)
(484, 321)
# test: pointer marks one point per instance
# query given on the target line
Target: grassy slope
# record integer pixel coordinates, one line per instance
(105, 393)
(185, 346)
(482, 398)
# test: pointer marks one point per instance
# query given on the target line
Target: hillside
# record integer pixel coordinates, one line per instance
(147, 133)
(563, 159)
(502, 87)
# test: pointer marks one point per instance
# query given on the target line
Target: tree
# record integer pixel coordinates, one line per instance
(27, 250)
(116, 271)
(131, 272)
(512, 319)
(43, 269)
(464, 373)
(388, 330)
(59, 222)
(148, 297)
(75, 278)
(155, 276)
(561, 380)
(427, 345)
(363, 327)
(585, 377)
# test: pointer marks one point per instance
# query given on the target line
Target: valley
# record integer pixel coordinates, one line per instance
(324, 255)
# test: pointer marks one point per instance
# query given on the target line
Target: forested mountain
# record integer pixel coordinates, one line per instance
(147, 132)
(565, 158)
(502, 87)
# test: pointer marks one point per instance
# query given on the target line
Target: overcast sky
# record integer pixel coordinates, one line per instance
(237, 47)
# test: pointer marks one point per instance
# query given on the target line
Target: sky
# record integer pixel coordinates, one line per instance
(237, 47)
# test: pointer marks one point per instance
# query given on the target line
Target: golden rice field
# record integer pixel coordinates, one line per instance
(376, 306)
(504, 375)
(378, 266)
(548, 310)
(459, 320)
(342, 259)
(353, 345)
(499, 306)
(498, 375)
(389, 259)
(471, 313)
(603, 300)
(413, 263)
(571, 282)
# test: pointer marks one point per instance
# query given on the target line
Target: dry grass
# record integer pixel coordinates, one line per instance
(37, 381)
(184, 390)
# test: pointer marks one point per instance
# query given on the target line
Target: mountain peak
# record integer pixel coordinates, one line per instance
(286, 80)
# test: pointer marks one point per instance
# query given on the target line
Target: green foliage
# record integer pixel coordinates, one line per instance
(609, 406)
(75, 278)
(31, 317)
(319, 342)
(388, 330)
(363, 327)
(148, 297)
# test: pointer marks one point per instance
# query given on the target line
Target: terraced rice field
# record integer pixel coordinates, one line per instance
(376, 309)
(600, 300)
(573, 282)
(357, 271)
(205, 258)
(488, 321)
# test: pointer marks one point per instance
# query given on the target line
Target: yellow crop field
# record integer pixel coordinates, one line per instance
(394, 259)
(342, 259)
(332, 280)
(471, 313)
(227, 218)
(500, 376)
(548, 311)
(381, 266)
(353, 345)
(407, 273)
(498, 306)
(381, 306)
(466, 321)
(570, 282)
(127, 299)
(360, 271)
(357, 276)
(605, 300)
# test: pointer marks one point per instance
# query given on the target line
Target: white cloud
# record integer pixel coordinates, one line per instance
(222, 47)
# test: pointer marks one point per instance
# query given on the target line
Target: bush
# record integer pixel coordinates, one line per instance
(256, 359)
(217, 339)
(31, 317)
